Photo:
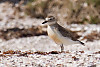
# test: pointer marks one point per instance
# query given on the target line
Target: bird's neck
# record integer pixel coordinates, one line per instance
(54, 24)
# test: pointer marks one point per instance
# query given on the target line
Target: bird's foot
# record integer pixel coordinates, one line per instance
(62, 48)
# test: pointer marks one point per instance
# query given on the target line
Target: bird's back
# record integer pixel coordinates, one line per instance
(67, 33)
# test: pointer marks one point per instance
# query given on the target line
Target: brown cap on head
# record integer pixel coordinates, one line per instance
(52, 17)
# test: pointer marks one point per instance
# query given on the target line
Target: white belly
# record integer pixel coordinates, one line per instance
(53, 35)
(58, 38)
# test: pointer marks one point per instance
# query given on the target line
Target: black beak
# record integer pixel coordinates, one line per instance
(44, 22)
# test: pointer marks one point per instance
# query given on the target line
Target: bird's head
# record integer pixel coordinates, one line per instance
(49, 20)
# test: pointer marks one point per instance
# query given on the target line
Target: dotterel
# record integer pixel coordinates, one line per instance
(60, 35)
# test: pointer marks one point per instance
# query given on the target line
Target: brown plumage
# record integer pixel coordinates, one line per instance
(66, 32)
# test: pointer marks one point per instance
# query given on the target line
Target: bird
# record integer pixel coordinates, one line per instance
(59, 34)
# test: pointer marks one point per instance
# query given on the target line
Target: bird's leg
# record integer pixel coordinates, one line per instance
(62, 47)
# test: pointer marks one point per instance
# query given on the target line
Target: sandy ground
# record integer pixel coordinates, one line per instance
(74, 55)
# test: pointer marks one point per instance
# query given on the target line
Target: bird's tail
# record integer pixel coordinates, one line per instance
(81, 43)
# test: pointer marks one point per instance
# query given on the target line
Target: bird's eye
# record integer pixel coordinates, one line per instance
(50, 19)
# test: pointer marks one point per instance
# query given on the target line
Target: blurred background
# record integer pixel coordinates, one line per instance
(21, 28)
(24, 41)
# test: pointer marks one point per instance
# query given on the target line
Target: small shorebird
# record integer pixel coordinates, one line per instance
(60, 35)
